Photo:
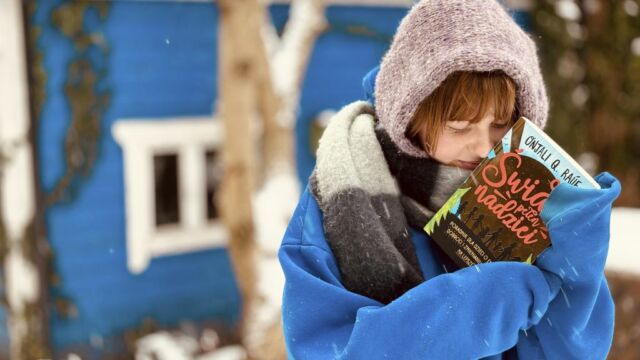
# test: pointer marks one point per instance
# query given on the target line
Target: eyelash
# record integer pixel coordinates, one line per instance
(458, 131)
(462, 131)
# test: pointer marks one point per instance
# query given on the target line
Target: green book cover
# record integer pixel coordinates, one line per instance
(495, 214)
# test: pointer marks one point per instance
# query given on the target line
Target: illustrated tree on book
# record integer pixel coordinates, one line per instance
(461, 208)
(452, 203)
(493, 238)
(483, 232)
(505, 254)
(478, 221)
(471, 213)
(497, 208)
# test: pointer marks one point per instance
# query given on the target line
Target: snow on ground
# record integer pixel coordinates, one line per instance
(225, 353)
(273, 205)
(624, 246)
(165, 345)
(623, 256)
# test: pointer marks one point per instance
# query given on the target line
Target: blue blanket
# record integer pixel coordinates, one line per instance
(558, 308)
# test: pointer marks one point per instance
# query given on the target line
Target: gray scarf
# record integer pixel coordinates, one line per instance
(369, 193)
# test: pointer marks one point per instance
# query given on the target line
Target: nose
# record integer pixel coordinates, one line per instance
(482, 145)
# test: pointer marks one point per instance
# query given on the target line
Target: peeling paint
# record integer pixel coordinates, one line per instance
(33, 346)
(37, 73)
(26, 308)
(29, 318)
(22, 296)
(87, 102)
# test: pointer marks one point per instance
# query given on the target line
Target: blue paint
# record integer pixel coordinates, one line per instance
(340, 59)
(523, 19)
(335, 76)
(57, 57)
(162, 62)
(4, 317)
(279, 15)
(164, 58)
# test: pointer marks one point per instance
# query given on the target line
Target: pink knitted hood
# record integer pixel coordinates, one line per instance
(439, 37)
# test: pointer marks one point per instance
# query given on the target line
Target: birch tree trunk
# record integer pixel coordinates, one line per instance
(284, 63)
(261, 75)
(20, 249)
(237, 74)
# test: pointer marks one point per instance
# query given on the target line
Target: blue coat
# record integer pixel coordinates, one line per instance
(561, 308)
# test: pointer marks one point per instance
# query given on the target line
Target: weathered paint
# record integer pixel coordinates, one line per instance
(150, 60)
(24, 321)
(352, 45)
(160, 62)
(88, 102)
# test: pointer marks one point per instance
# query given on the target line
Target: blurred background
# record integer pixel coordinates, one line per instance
(152, 152)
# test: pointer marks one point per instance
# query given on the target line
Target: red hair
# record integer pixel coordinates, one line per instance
(463, 96)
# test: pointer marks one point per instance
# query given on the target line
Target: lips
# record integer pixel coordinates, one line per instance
(469, 165)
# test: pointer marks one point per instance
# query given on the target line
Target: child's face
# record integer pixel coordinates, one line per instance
(464, 144)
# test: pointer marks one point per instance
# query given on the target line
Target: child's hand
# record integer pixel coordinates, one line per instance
(578, 223)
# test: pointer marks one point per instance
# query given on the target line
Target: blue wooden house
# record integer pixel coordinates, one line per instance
(126, 155)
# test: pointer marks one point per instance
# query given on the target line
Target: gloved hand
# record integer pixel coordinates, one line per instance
(578, 224)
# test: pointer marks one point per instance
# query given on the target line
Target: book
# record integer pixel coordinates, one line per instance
(495, 214)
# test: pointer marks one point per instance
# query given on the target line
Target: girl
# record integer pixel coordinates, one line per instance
(363, 281)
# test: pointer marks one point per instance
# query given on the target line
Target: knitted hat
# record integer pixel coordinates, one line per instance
(439, 37)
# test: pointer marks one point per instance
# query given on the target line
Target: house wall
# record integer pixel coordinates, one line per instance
(352, 45)
(151, 60)
(147, 59)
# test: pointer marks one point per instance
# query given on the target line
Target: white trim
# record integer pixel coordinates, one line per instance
(189, 138)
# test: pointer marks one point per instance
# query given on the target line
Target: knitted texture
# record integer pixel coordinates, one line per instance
(439, 37)
(370, 193)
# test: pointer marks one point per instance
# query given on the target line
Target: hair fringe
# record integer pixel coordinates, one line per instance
(463, 96)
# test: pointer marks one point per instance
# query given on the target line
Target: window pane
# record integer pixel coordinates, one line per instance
(166, 189)
(214, 177)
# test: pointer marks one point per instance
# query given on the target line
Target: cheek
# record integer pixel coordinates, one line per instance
(448, 148)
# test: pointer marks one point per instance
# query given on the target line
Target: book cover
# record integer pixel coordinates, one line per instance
(495, 214)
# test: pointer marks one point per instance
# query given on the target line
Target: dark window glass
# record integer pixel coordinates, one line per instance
(166, 189)
(214, 177)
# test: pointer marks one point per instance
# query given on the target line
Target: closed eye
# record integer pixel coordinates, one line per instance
(458, 131)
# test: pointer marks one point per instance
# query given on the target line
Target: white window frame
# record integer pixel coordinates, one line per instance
(188, 138)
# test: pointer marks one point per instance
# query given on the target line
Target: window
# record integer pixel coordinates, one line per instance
(165, 170)
(214, 177)
(172, 171)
